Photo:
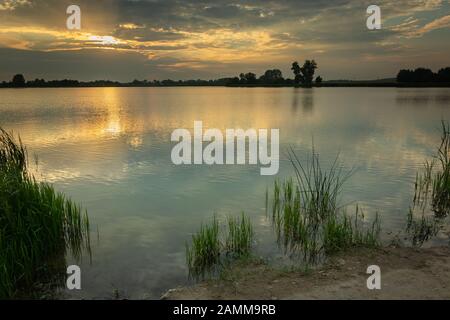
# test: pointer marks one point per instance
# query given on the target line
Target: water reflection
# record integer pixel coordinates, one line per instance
(306, 96)
(109, 148)
(422, 97)
(308, 101)
(295, 95)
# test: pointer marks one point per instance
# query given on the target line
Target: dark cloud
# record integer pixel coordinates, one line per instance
(89, 64)
(147, 34)
(83, 64)
(158, 38)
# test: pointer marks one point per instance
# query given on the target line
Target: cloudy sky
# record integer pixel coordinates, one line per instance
(188, 39)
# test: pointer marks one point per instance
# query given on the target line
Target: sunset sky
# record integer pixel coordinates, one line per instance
(158, 39)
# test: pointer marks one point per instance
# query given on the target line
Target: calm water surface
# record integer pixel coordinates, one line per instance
(109, 148)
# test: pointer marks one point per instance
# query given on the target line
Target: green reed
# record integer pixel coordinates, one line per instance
(345, 231)
(37, 224)
(306, 212)
(240, 236)
(210, 249)
(204, 253)
(441, 181)
(433, 182)
(421, 229)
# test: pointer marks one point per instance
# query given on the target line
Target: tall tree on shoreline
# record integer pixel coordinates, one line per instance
(18, 80)
(305, 73)
(297, 72)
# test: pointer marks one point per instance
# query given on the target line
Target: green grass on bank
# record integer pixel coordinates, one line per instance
(37, 224)
(210, 248)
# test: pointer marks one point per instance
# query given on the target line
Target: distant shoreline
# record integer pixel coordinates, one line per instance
(323, 85)
(359, 84)
(304, 78)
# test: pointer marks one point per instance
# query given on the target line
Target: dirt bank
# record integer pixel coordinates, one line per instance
(406, 273)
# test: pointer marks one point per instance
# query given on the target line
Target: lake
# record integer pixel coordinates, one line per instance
(109, 148)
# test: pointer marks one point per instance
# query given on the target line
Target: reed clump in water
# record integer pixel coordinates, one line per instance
(204, 253)
(434, 181)
(431, 202)
(210, 248)
(37, 224)
(307, 216)
(240, 236)
(347, 231)
(441, 180)
(421, 229)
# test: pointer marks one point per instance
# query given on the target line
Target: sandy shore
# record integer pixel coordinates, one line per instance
(406, 273)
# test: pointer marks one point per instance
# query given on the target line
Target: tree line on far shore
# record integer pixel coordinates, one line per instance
(303, 77)
(423, 75)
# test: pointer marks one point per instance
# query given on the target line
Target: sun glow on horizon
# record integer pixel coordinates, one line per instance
(104, 40)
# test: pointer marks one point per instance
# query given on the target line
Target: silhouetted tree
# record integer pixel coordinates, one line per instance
(423, 75)
(233, 81)
(273, 76)
(405, 76)
(168, 82)
(297, 72)
(308, 69)
(36, 83)
(18, 81)
(443, 75)
(251, 78)
(319, 80)
(304, 74)
(247, 78)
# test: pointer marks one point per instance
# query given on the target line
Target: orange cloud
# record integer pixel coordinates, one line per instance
(443, 22)
(12, 4)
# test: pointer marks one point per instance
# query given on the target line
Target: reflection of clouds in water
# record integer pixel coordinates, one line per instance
(395, 150)
(121, 228)
(135, 141)
(111, 149)
(100, 113)
(364, 125)
(53, 176)
(421, 98)
(109, 162)
(264, 221)
(113, 128)
(139, 255)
